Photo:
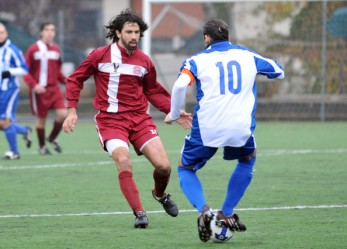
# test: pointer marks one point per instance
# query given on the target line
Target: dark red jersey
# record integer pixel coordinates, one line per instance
(123, 82)
(44, 62)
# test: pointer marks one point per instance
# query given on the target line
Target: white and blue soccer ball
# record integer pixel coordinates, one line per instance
(220, 234)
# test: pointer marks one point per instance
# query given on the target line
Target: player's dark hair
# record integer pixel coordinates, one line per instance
(44, 24)
(118, 22)
(217, 29)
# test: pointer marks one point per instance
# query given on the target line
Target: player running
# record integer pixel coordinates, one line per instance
(125, 80)
(44, 61)
(12, 65)
(224, 118)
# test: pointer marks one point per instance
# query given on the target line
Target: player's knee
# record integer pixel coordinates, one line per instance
(163, 167)
(249, 158)
(4, 123)
(123, 163)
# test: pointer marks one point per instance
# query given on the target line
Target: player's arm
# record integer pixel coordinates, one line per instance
(29, 59)
(155, 93)
(74, 83)
(177, 100)
(61, 76)
(271, 68)
(19, 67)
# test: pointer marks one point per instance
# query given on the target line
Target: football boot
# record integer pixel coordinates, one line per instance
(141, 220)
(233, 222)
(168, 204)
(204, 221)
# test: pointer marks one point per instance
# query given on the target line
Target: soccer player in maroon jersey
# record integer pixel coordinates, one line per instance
(125, 80)
(44, 61)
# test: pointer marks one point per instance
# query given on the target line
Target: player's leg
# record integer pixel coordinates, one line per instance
(194, 157)
(26, 131)
(121, 157)
(11, 137)
(41, 134)
(119, 151)
(8, 100)
(58, 104)
(238, 182)
(154, 151)
(57, 127)
(40, 110)
(146, 141)
(113, 132)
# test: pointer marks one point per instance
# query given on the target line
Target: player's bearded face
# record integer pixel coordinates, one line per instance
(130, 36)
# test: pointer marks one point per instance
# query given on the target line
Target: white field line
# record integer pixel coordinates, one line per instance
(161, 211)
(262, 153)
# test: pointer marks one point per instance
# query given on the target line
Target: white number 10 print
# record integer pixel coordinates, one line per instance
(233, 70)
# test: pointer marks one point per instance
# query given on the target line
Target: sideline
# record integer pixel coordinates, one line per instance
(162, 211)
(262, 153)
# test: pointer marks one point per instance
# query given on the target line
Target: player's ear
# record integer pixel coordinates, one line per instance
(207, 40)
(118, 33)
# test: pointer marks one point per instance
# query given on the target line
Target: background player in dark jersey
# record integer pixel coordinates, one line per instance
(44, 61)
(126, 80)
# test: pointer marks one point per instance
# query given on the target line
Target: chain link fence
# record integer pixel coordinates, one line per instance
(308, 37)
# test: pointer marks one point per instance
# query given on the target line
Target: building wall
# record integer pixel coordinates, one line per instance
(111, 8)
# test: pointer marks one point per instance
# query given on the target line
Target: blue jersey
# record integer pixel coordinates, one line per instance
(226, 92)
(12, 60)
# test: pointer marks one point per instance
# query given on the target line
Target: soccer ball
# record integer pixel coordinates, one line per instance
(220, 234)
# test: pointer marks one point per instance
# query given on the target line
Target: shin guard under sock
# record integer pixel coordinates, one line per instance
(160, 183)
(191, 187)
(130, 191)
(238, 183)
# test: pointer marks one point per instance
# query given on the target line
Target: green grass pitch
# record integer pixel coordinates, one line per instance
(297, 199)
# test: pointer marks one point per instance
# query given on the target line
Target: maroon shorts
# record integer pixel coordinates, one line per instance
(136, 128)
(53, 98)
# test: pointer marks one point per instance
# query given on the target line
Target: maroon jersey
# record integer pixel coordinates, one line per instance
(123, 82)
(44, 62)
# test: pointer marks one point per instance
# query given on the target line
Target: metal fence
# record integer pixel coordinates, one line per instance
(308, 37)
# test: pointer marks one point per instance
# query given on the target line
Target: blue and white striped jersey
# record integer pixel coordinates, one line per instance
(12, 60)
(225, 77)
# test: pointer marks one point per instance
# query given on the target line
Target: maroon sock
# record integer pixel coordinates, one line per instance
(41, 136)
(57, 126)
(160, 183)
(130, 191)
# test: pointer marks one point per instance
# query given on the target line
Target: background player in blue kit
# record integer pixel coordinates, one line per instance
(223, 118)
(12, 65)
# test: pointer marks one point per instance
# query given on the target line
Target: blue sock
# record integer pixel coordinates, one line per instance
(20, 129)
(191, 187)
(238, 183)
(11, 136)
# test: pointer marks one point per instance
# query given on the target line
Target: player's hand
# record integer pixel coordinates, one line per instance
(167, 119)
(185, 120)
(70, 121)
(39, 89)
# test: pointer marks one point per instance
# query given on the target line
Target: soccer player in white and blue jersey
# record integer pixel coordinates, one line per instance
(224, 117)
(12, 65)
